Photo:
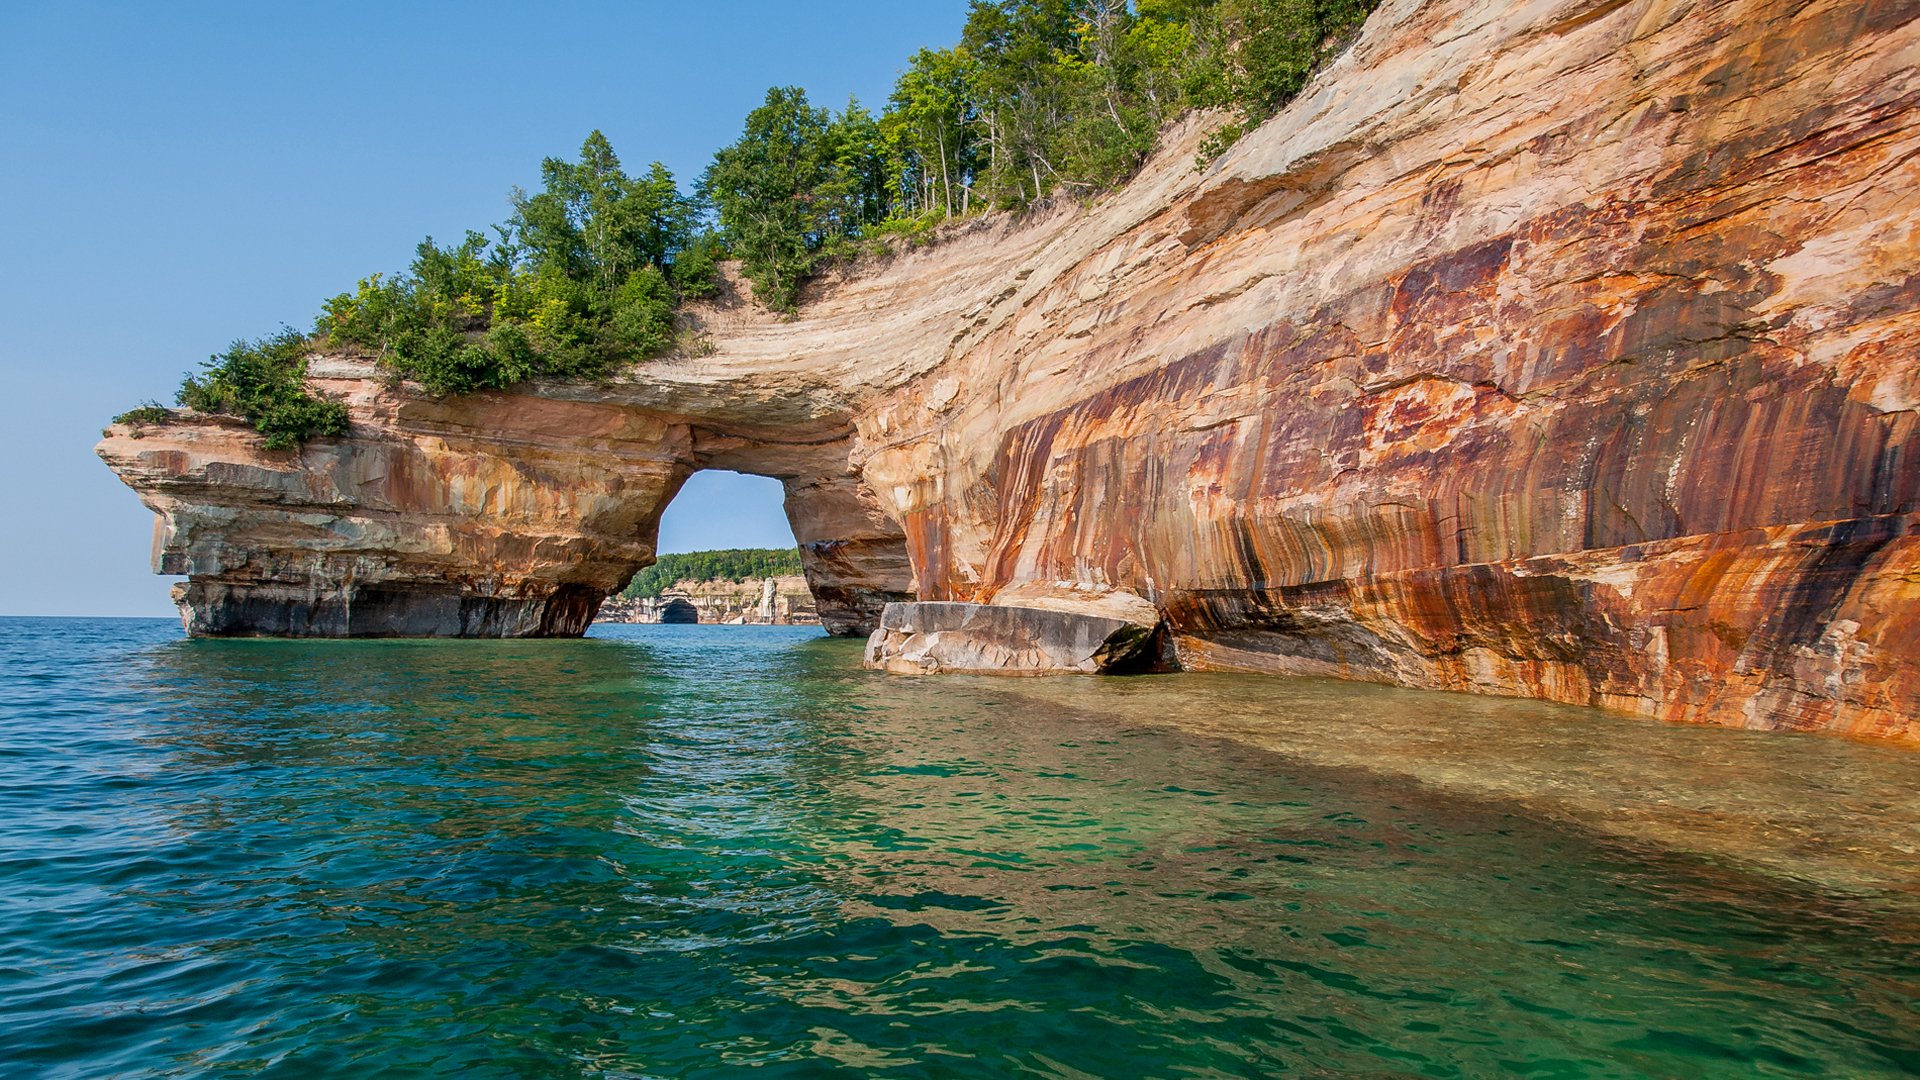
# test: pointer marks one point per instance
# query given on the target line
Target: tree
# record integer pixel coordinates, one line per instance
(578, 282)
(1016, 80)
(929, 111)
(1253, 56)
(860, 156)
(780, 194)
(595, 224)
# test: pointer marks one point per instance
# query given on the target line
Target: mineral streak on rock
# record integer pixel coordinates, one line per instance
(1559, 348)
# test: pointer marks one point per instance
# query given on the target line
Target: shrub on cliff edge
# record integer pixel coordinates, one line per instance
(264, 383)
(147, 412)
(582, 279)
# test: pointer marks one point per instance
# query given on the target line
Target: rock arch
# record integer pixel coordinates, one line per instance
(495, 515)
(1527, 352)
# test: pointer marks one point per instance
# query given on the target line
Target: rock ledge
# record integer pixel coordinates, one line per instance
(946, 637)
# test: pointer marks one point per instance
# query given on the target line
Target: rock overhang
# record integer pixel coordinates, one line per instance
(1484, 366)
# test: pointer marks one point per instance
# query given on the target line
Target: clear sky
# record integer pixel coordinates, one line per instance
(174, 176)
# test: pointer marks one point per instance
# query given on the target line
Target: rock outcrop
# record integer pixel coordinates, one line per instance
(494, 515)
(948, 637)
(1561, 348)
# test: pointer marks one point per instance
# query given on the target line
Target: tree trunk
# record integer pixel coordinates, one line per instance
(946, 186)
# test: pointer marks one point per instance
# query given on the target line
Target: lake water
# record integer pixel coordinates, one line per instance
(708, 851)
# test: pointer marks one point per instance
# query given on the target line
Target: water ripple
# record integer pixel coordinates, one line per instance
(688, 852)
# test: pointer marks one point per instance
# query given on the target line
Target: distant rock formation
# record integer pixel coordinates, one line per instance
(680, 610)
(1565, 348)
(780, 601)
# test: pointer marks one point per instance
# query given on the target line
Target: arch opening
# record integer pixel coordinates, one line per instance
(767, 542)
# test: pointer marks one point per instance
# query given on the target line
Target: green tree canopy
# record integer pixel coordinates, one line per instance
(732, 564)
(579, 280)
(1038, 98)
(782, 193)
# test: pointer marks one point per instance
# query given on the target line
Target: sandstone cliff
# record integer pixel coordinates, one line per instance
(1562, 348)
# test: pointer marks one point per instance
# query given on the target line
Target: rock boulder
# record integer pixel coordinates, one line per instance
(938, 637)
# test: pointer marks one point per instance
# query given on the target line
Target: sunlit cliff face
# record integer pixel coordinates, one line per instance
(1556, 349)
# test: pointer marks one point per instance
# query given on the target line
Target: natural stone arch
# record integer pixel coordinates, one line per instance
(492, 515)
(1429, 380)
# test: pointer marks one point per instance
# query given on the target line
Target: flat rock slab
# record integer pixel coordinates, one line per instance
(925, 638)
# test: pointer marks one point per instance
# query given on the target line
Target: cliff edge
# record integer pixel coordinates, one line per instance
(1558, 348)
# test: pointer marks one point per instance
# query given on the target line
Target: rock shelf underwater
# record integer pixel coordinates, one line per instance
(698, 851)
(1560, 349)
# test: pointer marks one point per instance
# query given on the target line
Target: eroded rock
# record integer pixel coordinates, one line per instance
(495, 515)
(1567, 349)
(931, 638)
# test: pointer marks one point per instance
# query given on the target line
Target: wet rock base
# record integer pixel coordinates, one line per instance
(944, 637)
(215, 609)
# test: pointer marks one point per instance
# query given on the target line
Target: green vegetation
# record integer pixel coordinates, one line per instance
(733, 564)
(147, 412)
(1040, 98)
(583, 278)
(264, 383)
(1252, 56)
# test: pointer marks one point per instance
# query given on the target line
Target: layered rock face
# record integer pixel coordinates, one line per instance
(1557, 349)
(1560, 348)
(493, 515)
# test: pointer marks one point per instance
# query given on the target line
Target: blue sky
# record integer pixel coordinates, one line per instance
(174, 176)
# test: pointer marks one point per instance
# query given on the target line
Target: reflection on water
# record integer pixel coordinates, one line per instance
(684, 851)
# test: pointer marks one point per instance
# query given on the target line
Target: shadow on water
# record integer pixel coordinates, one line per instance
(689, 851)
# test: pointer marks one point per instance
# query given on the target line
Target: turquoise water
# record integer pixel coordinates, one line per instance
(704, 851)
